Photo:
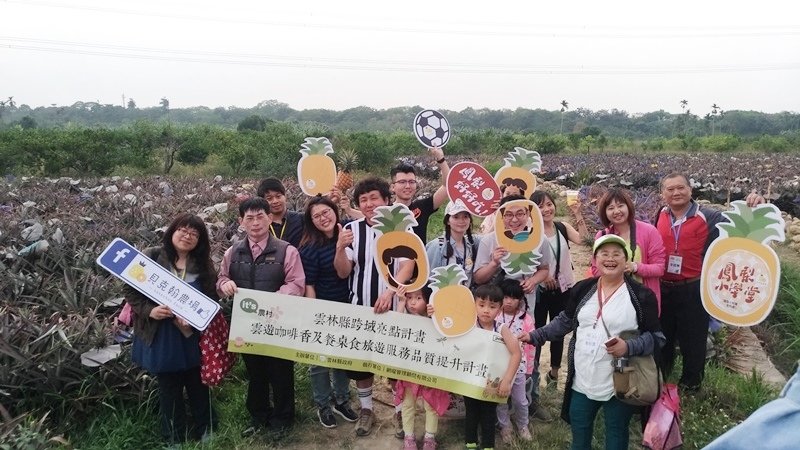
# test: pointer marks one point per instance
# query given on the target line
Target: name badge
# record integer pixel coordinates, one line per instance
(674, 264)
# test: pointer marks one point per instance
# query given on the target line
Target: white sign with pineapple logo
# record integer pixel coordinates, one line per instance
(343, 336)
(158, 283)
(741, 272)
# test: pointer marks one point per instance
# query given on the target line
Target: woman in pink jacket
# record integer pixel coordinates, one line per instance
(616, 213)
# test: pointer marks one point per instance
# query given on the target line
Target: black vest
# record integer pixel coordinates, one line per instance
(266, 273)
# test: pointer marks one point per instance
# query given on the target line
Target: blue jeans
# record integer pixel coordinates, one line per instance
(772, 426)
(321, 380)
(582, 412)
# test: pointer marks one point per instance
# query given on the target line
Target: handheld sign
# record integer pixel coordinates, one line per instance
(316, 171)
(518, 171)
(520, 230)
(431, 128)
(473, 185)
(519, 227)
(396, 244)
(454, 309)
(741, 272)
(158, 283)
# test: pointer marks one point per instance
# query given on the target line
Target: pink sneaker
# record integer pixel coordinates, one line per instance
(525, 434)
(409, 443)
(429, 443)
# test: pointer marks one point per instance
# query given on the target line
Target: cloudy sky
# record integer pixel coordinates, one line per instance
(632, 55)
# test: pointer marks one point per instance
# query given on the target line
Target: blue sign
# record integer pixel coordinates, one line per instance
(158, 283)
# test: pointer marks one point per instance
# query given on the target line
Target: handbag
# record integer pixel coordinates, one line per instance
(638, 382)
(663, 429)
(215, 360)
(126, 316)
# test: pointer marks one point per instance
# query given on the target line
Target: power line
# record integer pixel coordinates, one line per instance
(310, 62)
(528, 30)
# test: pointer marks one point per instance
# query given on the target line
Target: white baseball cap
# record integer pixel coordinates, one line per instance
(455, 207)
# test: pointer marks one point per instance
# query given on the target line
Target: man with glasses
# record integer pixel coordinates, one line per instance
(268, 264)
(516, 220)
(404, 188)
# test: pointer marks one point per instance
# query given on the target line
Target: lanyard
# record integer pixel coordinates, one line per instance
(283, 229)
(601, 301)
(513, 318)
(182, 275)
(556, 250)
(464, 260)
(676, 234)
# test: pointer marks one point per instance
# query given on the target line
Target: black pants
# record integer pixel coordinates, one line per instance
(266, 372)
(684, 320)
(550, 303)
(174, 427)
(483, 414)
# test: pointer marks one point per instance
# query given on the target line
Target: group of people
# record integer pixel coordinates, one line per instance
(644, 277)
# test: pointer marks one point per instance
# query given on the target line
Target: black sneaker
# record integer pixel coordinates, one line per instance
(326, 418)
(346, 412)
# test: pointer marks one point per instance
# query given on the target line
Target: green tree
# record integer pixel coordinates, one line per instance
(252, 123)
(131, 104)
(27, 123)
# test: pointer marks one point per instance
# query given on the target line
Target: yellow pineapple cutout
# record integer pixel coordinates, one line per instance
(741, 272)
(137, 272)
(316, 171)
(523, 256)
(454, 312)
(518, 170)
(397, 241)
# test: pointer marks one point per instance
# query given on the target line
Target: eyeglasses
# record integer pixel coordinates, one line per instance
(325, 213)
(519, 215)
(406, 182)
(189, 233)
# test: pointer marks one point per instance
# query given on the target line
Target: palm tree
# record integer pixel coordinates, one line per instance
(685, 116)
(714, 111)
(564, 107)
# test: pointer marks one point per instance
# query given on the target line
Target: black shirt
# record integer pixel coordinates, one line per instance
(422, 209)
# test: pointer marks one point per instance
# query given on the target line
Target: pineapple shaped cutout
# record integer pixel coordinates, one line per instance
(316, 171)
(741, 272)
(524, 241)
(518, 170)
(518, 264)
(347, 159)
(396, 243)
(454, 310)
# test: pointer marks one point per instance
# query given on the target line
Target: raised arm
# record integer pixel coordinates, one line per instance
(440, 196)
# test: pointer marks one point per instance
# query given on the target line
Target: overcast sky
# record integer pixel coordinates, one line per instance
(638, 56)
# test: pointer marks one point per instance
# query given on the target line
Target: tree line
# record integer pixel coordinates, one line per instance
(613, 123)
(258, 146)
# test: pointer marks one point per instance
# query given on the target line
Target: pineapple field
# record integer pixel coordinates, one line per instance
(58, 309)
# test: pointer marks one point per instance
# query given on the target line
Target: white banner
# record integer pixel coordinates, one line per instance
(344, 336)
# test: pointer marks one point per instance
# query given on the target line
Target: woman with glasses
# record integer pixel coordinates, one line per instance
(317, 250)
(166, 345)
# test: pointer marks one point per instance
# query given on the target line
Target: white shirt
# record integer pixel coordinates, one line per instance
(593, 369)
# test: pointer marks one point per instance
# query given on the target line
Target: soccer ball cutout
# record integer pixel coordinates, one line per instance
(431, 128)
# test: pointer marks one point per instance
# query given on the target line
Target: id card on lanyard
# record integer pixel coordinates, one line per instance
(675, 261)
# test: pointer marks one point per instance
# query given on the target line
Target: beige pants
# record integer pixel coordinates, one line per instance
(410, 411)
